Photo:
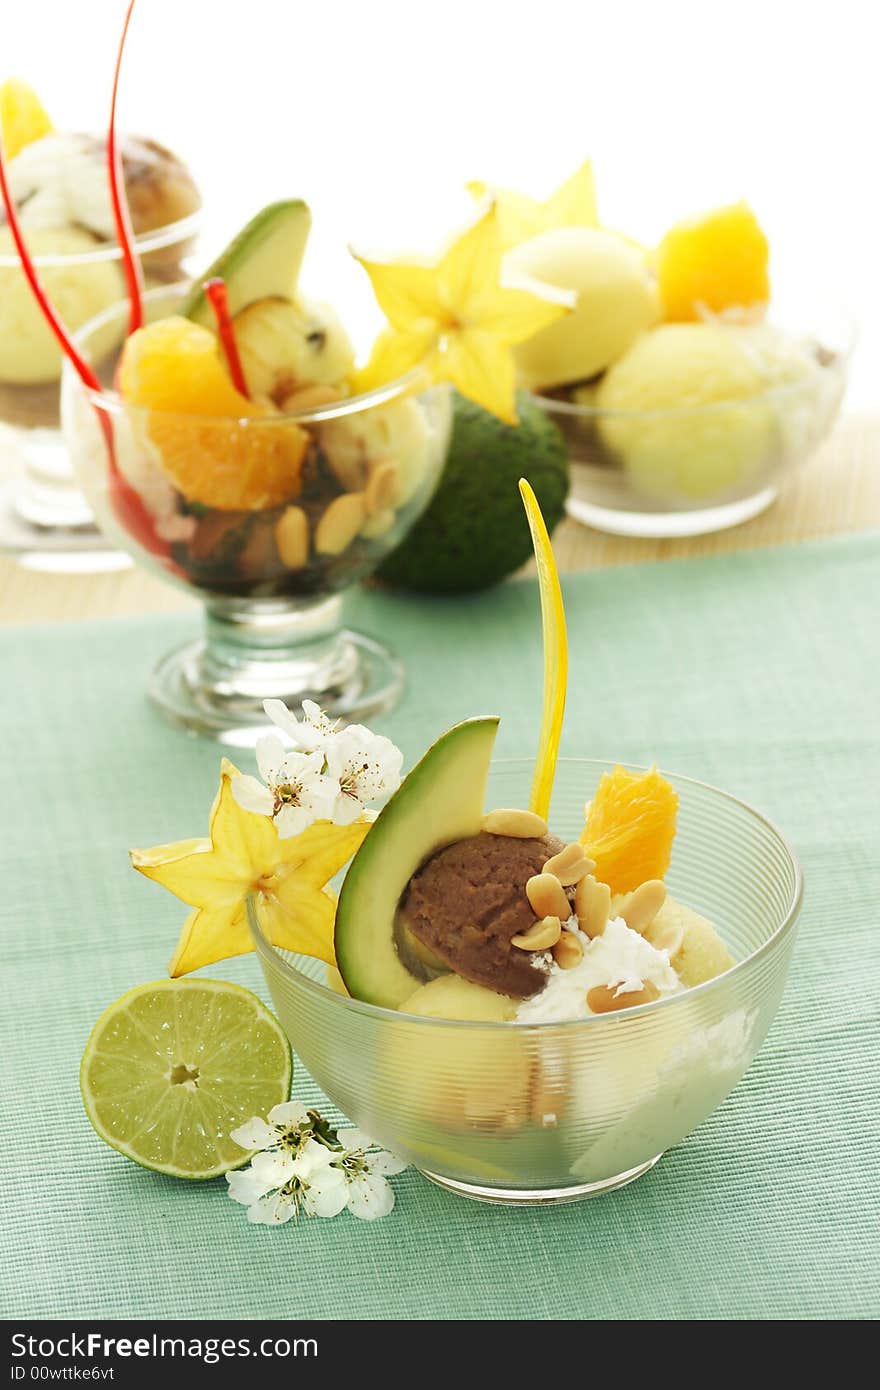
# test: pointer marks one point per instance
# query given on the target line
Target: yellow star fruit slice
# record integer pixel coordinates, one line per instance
(555, 655)
(457, 318)
(192, 413)
(244, 854)
(23, 118)
(520, 217)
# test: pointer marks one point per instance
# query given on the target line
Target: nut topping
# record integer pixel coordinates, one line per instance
(603, 1000)
(340, 524)
(643, 904)
(592, 904)
(539, 937)
(547, 898)
(519, 825)
(568, 951)
(570, 865)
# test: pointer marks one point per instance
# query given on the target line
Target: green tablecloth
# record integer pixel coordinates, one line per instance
(758, 672)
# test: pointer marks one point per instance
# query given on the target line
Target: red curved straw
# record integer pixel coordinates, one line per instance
(86, 375)
(121, 216)
(127, 503)
(215, 291)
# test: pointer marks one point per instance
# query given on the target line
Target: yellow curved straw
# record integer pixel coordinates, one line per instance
(555, 655)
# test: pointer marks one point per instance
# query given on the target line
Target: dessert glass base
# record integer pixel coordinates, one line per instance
(252, 652)
(666, 525)
(540, 1196)
(45, 522)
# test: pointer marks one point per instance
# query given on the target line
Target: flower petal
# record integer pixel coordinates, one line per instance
(273, 1210)
(370, 1197)
(386, 1163)
(254, 1133)
(269, 752)
(273, 1169)
(327, 1195)
(289, 1113)
(312, 1161)
(282, 718)
(354, 1139)
(246, 1186)
(293, 820)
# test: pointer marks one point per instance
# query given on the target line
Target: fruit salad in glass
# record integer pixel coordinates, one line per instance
(58, 181)
(228, 449)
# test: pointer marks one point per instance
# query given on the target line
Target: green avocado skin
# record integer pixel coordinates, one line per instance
(474, 532)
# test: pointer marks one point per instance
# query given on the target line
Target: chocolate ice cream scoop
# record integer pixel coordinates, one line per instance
(467, 901)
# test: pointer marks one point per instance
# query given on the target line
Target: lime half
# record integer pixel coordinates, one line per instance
(173, 1066)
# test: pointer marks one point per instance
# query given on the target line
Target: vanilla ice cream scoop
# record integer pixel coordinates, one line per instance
(79, 286)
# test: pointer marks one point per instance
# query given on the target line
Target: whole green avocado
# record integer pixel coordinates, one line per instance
(474, 532)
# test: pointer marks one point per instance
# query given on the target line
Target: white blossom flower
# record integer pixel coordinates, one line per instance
(304, 1164)
(369, 1195)
(297, 792)
(365, 766)
(283, 1122)
(309, 733)
(324, 1186)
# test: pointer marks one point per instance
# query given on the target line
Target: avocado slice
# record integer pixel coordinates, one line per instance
(262, 262)
(439, 802)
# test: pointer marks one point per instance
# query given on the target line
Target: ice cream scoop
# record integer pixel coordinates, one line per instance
(468, 902)
(616, 302)
(683, 411)
(80, 286)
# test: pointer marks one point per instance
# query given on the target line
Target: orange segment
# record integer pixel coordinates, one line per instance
(630, 828)
(174, 371)
(23, 118)
(718, 260)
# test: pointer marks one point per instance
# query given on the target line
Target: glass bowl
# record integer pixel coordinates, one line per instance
(44, 517)
(333, 490)
(552, 1112)
(688, 470)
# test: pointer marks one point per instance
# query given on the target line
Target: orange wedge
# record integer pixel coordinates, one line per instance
(630, 828)
(714, 262)
(193, 416)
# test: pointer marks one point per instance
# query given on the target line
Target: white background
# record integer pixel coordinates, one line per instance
(376, 112)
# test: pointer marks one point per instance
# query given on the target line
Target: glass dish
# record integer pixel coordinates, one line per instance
(554, 1112)
(44, 518)
(690, 470)
(272, 577)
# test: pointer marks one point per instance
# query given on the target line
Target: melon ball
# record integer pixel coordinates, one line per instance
(77, 289)
(699, 426)
(616, 302)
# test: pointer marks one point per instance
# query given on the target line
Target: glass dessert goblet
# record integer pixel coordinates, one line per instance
(268, 519)
(550, 1112)
(44, 516)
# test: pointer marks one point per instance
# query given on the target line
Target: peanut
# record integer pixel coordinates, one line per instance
(603, 1000)
(540, 936)
(643, 904)
(340, 524)
(381, 488)
(568, 951)
(547, 898)
(592, 904)
(570, 865)
(519, 825)
(292, 538)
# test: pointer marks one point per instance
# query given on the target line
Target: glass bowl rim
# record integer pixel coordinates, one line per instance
(417, 379)
(266, 950)
(587, 412)
(156, 240)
